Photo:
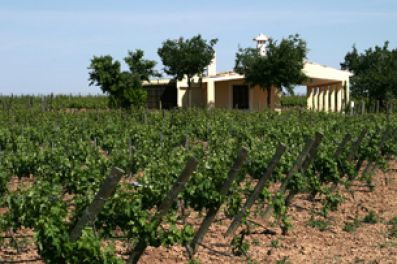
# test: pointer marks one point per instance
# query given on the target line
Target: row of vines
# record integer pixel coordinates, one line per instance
(66, 157)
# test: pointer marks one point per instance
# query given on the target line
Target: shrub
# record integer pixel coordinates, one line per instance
(293, 101)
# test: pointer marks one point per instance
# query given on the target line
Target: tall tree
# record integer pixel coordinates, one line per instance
(375, 72)
(123, 87)
(280, 67)
(187, 57)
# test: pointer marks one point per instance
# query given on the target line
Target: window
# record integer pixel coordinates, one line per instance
(240, 97)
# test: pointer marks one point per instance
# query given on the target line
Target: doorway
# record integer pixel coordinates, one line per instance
(240, 97)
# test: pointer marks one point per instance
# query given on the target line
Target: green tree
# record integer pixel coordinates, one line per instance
(123, 87)
(187, 57)
(280, 67)
(375, 72)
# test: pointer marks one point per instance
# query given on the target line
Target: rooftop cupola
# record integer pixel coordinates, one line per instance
(261, 43)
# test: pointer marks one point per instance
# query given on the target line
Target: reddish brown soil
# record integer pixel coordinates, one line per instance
(369, 243)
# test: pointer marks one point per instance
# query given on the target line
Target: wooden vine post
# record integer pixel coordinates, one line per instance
(178, 186)
(361, 159)
(342, 146)
(309, 158)
(233, 172)
(337, 154)
(318, 138)
(257, 190)
(295, 168)
(90, 213)
(356, 145)
(369, 168)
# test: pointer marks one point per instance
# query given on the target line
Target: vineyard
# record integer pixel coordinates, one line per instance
(80, 185)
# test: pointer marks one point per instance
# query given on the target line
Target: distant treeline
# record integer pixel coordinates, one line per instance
(57, 102)
(54, 102)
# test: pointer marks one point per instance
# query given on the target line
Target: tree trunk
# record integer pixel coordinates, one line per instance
(269, 97)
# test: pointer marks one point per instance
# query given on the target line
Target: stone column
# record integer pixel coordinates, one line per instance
(251, 99)
(326, 98)
(210, 93)
(181, 88)
(315, 97)
(347, 86)
(309, 98)
(320, 98)
(339, 90)
(332, 107)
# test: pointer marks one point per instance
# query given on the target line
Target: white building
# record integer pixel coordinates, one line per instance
(327, 89)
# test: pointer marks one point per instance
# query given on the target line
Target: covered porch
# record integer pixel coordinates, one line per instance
(328, 89)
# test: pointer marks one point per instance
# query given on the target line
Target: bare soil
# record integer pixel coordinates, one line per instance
(368, 243)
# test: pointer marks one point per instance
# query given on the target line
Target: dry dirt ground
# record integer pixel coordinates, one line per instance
(368, 243)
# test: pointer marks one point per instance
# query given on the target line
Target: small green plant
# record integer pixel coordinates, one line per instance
(352, 225)
(393, 227)
(321, 225)
(251, 261)
(283, 260)
(331, 203)
(358, 260)
(194, 261)
(280, 211)
(393, 231)
(392, 221)
(274, 243)
(371, 218)
(239, 246)
(285, 225)
(256, 242)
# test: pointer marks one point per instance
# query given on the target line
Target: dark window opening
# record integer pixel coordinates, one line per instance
(240, 97)
(166, 94)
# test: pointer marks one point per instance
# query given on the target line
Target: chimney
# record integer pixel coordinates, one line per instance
(261, 40)
(212, 67)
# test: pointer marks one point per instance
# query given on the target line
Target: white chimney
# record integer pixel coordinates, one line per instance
(261, 42)
(212, 67)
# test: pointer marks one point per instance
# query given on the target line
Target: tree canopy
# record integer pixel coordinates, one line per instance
(280, 67)
(186, 57)
(123, 87)
(375, 72)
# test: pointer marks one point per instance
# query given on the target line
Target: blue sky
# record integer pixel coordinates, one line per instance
(46, 46)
